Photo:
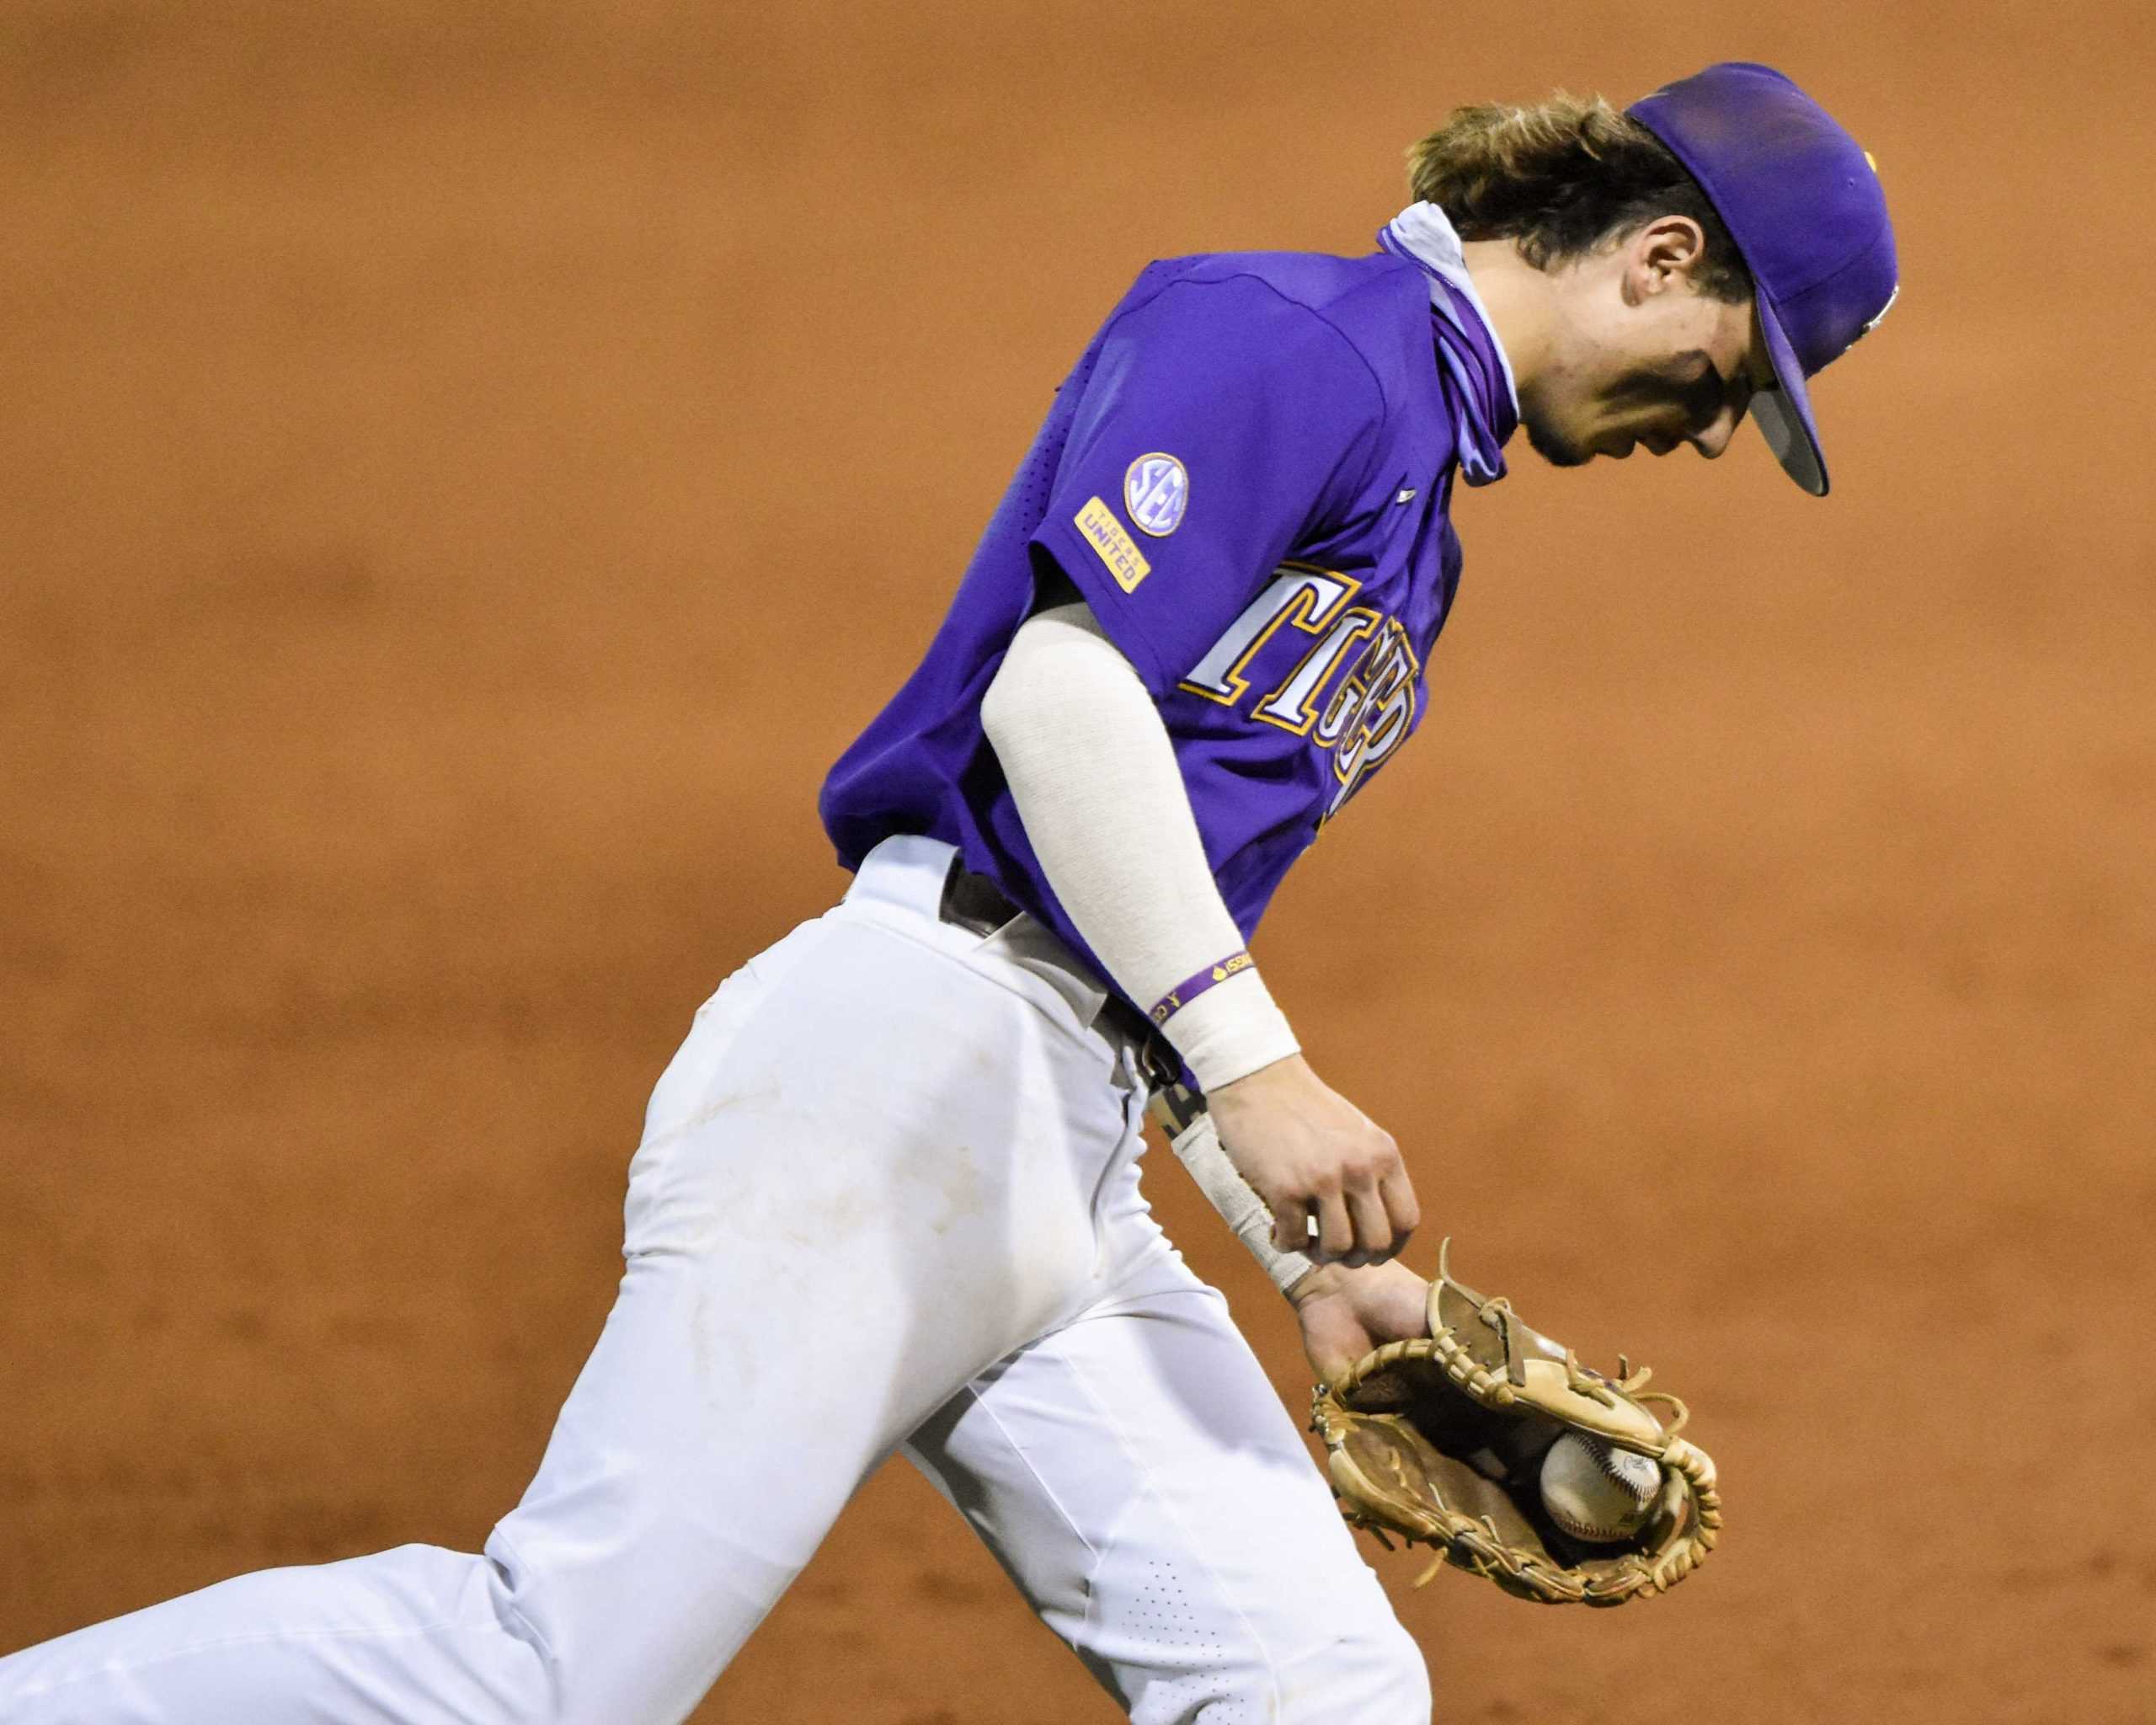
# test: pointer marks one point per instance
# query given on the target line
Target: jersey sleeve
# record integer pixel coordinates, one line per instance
(1220, 424)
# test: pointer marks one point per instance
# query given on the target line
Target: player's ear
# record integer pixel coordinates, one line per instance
(1664, 255)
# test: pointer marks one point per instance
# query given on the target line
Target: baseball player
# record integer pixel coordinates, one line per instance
(888, 1192)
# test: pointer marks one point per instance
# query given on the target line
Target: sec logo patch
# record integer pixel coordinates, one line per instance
(1155, 490)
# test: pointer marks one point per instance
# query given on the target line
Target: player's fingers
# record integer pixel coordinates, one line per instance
(1373, 1229)
(1397, 1192)
(1291, 1226)
(1336, 1230)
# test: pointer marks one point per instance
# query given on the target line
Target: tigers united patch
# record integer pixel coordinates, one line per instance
(1155, 490)
(1114, 548)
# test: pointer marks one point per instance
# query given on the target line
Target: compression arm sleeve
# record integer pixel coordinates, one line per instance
(1095, 778)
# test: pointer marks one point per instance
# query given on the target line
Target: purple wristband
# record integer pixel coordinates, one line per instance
(1188, 990)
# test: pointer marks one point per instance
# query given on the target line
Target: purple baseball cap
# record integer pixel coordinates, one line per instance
(1803, 203)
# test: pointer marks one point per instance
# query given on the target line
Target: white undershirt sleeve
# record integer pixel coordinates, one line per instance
(1096, 783)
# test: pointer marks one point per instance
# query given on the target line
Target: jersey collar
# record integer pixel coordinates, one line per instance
(1476, 374)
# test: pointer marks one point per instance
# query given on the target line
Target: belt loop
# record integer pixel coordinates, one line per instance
(908, 870)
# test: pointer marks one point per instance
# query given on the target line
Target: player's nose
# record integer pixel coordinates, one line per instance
(1713, 438)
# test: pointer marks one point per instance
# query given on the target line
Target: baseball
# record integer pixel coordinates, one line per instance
(1595, 1492)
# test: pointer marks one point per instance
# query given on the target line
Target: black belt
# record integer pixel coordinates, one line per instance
(975, 902)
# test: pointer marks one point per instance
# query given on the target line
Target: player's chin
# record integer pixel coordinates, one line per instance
(1555, 446)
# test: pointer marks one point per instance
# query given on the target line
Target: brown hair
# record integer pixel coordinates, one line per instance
(1563, 178)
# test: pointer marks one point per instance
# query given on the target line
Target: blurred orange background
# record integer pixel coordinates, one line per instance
(468, 470)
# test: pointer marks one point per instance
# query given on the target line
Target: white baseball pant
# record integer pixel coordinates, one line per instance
(887, 1195)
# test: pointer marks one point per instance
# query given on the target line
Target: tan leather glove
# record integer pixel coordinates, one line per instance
(1441, 1441)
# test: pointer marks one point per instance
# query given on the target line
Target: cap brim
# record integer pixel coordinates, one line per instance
(1784, 414)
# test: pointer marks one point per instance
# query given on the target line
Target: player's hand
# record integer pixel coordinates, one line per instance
(1346, 1314)
(1309, 1153)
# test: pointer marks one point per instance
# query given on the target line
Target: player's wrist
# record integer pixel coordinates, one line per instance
(1195, 1139)
(1363, 1284)
(1231, 1030)
(1321, 1281)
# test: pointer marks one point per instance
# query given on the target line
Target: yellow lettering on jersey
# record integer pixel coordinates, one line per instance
(1112, 545)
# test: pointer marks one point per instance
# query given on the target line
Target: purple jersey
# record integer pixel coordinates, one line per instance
(1247, 476)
